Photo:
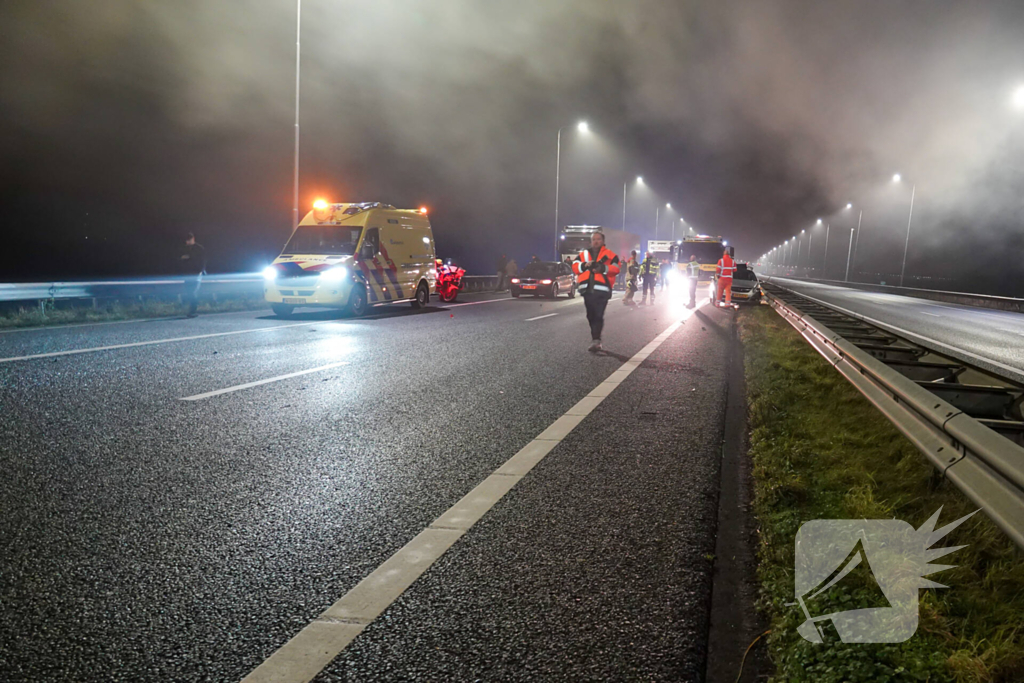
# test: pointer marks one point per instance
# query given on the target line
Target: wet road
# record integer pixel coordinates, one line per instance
(989, 338)
(182, 497)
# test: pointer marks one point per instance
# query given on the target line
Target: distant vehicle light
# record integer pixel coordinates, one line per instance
(270, 273)
(545, 282)
(426, 240)
(563, 237)
(320, 204)
(335, 274)
(515, 281)
(423, 209)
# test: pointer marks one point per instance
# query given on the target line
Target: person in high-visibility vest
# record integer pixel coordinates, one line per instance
(724, 270)
(649, 271)
(693, 273)
(595, 270)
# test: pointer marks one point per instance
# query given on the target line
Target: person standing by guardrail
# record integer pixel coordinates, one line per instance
(193, 261)
(500, 265)
(596, 269)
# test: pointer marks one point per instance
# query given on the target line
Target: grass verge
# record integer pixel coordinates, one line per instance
(49, 315)
(821, 451)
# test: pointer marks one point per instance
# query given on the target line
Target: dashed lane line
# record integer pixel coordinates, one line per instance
(319, 642)
(249, 385)
(153, 342)
(540, 317)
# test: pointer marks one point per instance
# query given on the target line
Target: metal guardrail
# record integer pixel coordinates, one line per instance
(971, 432)
(1002, 303)
(244, 284)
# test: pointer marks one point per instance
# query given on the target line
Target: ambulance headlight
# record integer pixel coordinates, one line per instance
(270, 273)
(335, 274)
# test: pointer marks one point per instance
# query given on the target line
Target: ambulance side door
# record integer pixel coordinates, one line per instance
(369, 258)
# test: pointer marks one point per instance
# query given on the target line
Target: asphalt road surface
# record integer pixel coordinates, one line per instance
(182, 497)
(988, 338)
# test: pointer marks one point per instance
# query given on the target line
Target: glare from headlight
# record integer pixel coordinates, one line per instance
(270, 273)
(335, 274)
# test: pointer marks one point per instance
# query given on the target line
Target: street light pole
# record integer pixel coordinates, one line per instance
(657, 219)
(623, 207)
(558, 173)
(856, 241)
(298, 40)
(903, 269)
(824, 263)
(848, 253)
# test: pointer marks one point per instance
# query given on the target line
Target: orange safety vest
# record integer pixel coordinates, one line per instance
(596, 282)
(726, 267)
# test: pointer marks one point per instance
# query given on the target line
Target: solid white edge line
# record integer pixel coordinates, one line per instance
(249, 385)
(151, 342)
(539, 317)
(319, 642)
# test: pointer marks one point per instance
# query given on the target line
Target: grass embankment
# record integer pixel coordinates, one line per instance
(36, 317)
(821, 451)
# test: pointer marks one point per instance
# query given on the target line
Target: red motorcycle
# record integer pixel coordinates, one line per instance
(449, 280)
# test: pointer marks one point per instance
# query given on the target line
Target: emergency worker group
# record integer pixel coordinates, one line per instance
(597, 266)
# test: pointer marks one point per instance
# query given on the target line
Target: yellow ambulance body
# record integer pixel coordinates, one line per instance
(354, 256)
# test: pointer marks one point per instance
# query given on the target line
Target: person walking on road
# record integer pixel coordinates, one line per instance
(724, 270)
(193, 261)
(632, 271)
(649, 271)
(693, 277)
(596, 268)
(535, 259)
(500, 266)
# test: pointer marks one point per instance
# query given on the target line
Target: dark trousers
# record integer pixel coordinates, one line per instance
(649, 283)
(693, 292)
(595, 303)
(191, 293)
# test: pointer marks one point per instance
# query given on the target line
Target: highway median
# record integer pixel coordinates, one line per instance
(822, 451)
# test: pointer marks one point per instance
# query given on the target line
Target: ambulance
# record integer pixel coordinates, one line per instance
(354, 257)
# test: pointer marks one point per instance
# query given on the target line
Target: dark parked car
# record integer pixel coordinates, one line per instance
(549, 278)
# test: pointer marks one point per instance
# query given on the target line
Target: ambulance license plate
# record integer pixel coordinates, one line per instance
(293, 300)
(529, 286)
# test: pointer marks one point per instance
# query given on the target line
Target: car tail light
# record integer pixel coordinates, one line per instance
(515, 281)
(545, 282)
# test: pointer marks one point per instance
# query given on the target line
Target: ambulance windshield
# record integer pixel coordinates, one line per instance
(334, 240)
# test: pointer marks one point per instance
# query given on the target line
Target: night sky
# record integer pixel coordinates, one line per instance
(126, 123)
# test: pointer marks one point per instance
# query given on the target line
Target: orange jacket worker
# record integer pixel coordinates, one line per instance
(596, 268)
(725, 269)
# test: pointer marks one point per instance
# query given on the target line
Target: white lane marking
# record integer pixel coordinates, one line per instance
(474, 303)
(540, 317)
(1017, 372)
(168, 318)
(249, 385)
(93, 349)
(319, 642)
(934, 315)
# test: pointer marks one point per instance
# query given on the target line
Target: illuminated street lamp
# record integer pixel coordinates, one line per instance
(639, 181)
(913, 192)
(582, 127)
(1018, 98)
